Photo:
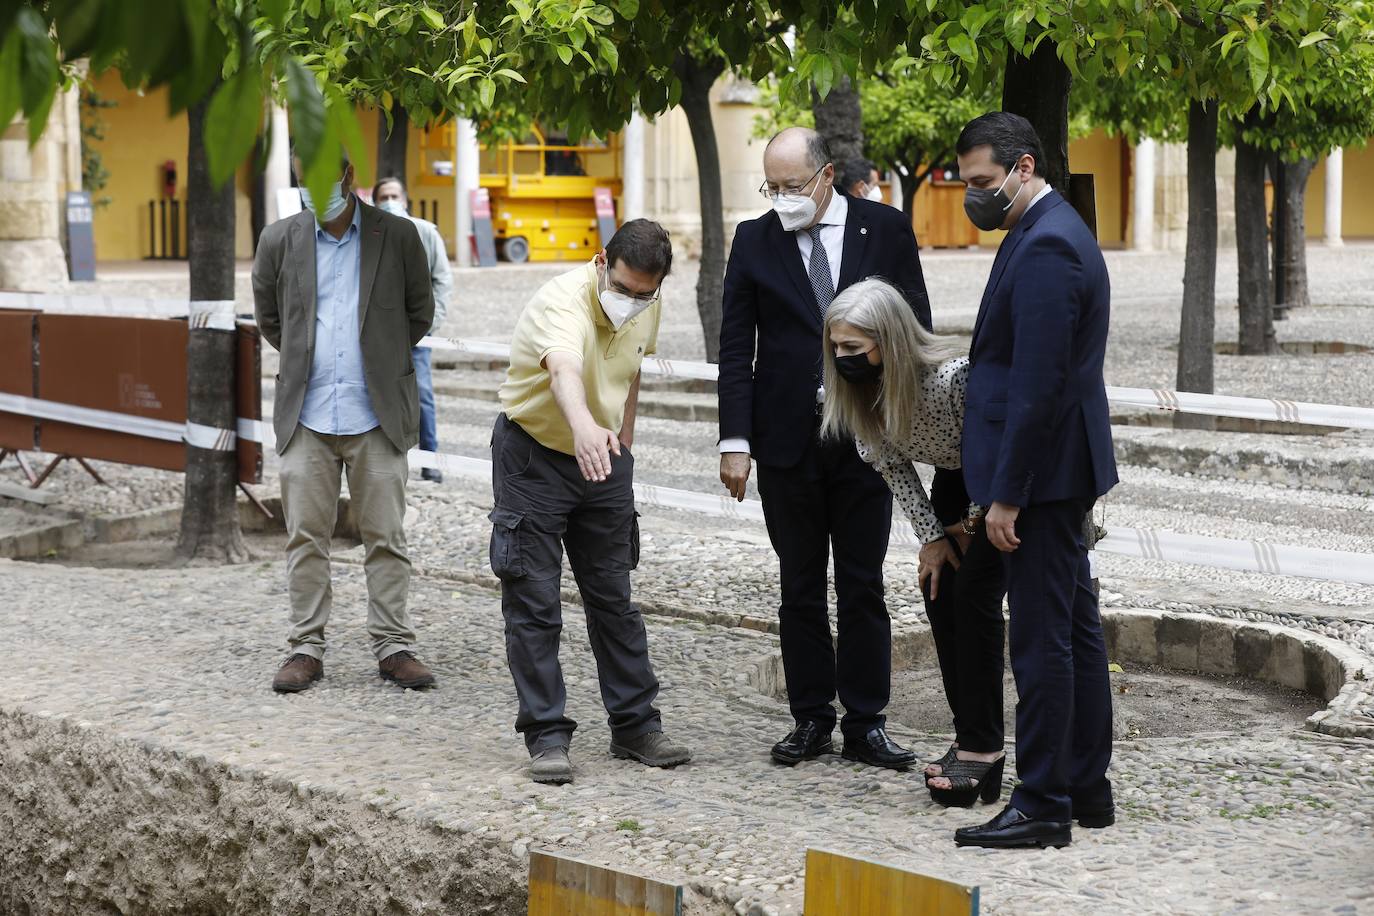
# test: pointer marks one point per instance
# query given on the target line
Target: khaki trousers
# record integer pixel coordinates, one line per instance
(311, 469)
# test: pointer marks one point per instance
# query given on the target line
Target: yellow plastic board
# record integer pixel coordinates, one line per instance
(840, 885)
(560, 886)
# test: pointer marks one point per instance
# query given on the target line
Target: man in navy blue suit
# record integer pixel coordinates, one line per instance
(785, 268)
(1037, 452)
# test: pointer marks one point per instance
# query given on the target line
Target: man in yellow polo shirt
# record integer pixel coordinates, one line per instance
(563, 476)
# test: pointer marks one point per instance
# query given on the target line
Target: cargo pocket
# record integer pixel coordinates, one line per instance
(634, 542)
(507, 556)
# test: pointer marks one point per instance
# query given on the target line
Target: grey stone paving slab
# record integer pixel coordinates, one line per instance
(179, 661)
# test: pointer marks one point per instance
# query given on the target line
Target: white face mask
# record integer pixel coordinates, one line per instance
(619, 308)
(796, 210)
(393, 206)
(332, 209)
(875, 194)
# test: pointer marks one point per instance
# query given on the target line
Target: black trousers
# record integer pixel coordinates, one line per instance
(966, 622)
(543, 505)
(830, 500)
(1059, 658)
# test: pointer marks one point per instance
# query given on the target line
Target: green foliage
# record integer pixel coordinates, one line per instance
(592, 62)
(907, 120)
(1313, 88)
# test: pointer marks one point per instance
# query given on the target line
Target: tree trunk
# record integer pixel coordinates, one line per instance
(391, 148)
(1197, 324)
(839, 120)
(910, 186)
(1037, 88)
(209, 513)
(1293, 190)
(1252, 246)
(698, 76)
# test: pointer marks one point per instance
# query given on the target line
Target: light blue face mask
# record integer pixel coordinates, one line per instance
(394, 207)
(335, 206)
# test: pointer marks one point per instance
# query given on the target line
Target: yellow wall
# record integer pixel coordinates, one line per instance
(1101, 156)
(139, 137)
(1357, 186)
(1357, 216)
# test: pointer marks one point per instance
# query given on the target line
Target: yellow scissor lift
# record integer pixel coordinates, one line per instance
(542, 206)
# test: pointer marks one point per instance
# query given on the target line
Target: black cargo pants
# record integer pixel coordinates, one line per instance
(542, 505)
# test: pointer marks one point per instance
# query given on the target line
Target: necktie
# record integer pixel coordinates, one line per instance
(822, 283)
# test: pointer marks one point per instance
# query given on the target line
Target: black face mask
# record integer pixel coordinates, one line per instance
(988, 209)
(857, 370)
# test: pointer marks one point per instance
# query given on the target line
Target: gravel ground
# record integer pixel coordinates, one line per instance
(1293, 804)
(191, 680)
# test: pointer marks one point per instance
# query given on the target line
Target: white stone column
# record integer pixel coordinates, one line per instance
(1335, 169)
(277, 173)
(1143, 199)
(466, 179)
(632, 169)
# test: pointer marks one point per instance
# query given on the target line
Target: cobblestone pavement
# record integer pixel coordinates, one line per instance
(1254, 823)
(1262, 823)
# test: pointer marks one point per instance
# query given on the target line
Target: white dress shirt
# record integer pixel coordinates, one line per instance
(832, 237)
(1044, 192)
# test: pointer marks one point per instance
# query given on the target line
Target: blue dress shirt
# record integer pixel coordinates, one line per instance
(336, 398)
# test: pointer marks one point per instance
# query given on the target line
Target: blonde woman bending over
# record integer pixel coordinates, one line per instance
(898, 390)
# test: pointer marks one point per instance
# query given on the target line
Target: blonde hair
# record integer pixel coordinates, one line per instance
(889, 409)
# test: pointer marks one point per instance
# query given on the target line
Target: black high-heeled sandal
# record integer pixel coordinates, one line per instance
(963, 788)
(950, 756)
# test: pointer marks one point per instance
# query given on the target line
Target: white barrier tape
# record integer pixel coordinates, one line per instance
(256, 431)
(1246, 556)
(1218, 405)
(212, 315)
(1276, 409)
(1142, 543)
(210, 437)
(146, 427)
(201, 436)
(475, 347)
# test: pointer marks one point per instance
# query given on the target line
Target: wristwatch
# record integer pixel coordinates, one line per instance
(969, 523)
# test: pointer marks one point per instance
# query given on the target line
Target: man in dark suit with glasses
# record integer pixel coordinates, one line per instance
(785, 268)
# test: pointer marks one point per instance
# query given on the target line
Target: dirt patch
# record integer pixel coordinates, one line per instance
(1147, 702)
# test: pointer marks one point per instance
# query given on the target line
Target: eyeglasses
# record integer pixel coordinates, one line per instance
(637, 297)
(771, 195)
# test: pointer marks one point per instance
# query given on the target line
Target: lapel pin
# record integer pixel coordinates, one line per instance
(863, 231)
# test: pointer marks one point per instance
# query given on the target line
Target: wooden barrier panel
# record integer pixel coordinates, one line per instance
(16, 376)
(840, 885)
(560, 886)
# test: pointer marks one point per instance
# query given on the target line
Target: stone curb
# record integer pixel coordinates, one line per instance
(1201, 644)
(1269, 652)
(147, 523)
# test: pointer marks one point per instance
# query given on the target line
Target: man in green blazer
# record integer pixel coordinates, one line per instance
(342, 291)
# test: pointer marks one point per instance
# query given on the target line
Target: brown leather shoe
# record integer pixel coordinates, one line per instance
(404, 669)
(297, 673)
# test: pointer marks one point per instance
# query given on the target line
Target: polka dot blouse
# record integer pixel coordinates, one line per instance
(936, 437)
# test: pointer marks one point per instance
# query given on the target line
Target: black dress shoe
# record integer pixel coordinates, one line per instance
(1013, 829)
(878, 750)
(805, 742)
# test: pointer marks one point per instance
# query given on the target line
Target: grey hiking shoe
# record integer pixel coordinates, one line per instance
(652, 749)
(551, 766)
